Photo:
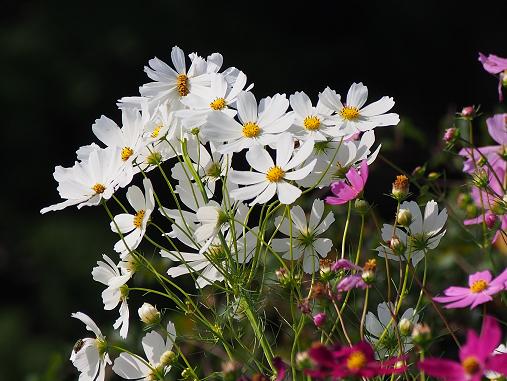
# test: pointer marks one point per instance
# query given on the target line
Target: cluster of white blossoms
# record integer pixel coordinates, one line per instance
(224, 148)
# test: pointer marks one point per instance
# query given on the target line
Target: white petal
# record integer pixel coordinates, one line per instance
(301, 172)
(248, 192)
(178, 58)
(246, 177)
(90, 324)
(259, 159)
(357, 95)
(316, 213)
(301, 104)
(381, 106)
(247, 107)
(154, 346)
(287, 193)
(130, 367)
(122, 223)
(301, 155)
(265, 195)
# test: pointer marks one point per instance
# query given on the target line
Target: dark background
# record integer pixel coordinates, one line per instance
(64, 63)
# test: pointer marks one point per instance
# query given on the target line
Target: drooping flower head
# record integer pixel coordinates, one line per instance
(496, 66)
(346, 191)
(476, 357)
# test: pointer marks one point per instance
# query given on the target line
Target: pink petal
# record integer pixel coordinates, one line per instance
(498, 364)
(491, 335)
(446, 369)
(355, 179)
(480, 275)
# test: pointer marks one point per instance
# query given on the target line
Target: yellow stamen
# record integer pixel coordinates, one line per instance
(478, 286)
(126, 152)
(182, 85)
(471, 365)
(218, 104)
(349, 113)
(138, 218)
(275, 174)
(156, 131)
(98, 188)
(251, 130)
(311, 123)
(356, 360)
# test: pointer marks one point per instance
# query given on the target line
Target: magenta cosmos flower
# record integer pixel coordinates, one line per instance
(476, 357)
(359, 360)
(480, 288)
(347, 191)
(495, 65)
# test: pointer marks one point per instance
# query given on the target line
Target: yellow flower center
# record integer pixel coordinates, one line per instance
(126, 152)
(98, 188)
(275, 174)
(156, 131)
(356, 360)
(471, 365)
(218, 104)
(138, 218)
(251, 130)
(311, 123)
(349, 113)
(182, 85)
(478, 286)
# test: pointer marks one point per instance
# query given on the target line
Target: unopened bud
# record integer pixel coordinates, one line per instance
(368, 277)
(499, 207)
(361, 206)
(450, 135)
(304, 306)
(283, 276)
(319, 319)
(471, 210)
(167, 358)
(468, 111)
(404, 217)
(432, 176)
(186, 374)
(419, 171)
(421, 334)
(303, 360)
(503, 76)
(480, 179)
(463, 200)
(149, 314)
(405, 326)
(195, 131)
(325, 269)
(230, 370)
(490, 219)
(400, 187)
(397, 246)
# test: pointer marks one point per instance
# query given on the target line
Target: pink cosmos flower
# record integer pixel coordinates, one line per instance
(344, 264)
(495, 65)
(359, 360)
(480, 288)
(497, 128)
(347, 191)
(319, 319)
(476, 357)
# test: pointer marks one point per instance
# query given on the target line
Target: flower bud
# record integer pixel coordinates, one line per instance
(186, 374)
(149, 314)
(404, 217)
(450, 135)
(167, 358)
(471, 210)
(400, 187)
(303, 360)
(467, 112)
(304, 306)
(361, 206)
(195, 131)
(397, 246)
(499, 207)
(283, 276)
(490, 219)
(480, 179)
(421, 334)
(405, 326)
(325, 270)
(230, 370)
(319, 319)
(503, 76)
(419, 171)
(432, 176)
(368, 277)
(154, 158)
(463, 200)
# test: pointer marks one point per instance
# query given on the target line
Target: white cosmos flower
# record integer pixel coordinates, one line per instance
(270, 178)
(89, 355)
(133, 226)
(91, 181)
(212, 218)
(352, 114)
(259, 125)
(424, 232)
(314, 122)
(190, 197)
(170, 85)
(129, 138)
(334, 158)
(210, 265)
(133, 367)
(219, 98)
(375, 326)
(306, 243)
(210, 165)
(115, 278)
